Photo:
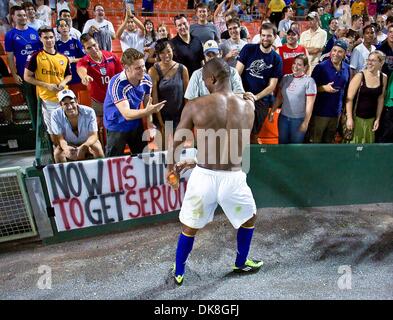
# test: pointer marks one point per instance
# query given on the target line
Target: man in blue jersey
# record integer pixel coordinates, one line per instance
(72, 48)
(260, 68)
(20, 42)
(122, 112)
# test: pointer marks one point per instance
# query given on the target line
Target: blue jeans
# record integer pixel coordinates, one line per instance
(288, 130)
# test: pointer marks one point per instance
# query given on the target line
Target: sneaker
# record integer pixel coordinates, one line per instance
(178, 278)
(249, 266)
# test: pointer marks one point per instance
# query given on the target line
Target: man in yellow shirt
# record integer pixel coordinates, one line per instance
(50, 72)
(275, 7)
(358, 8)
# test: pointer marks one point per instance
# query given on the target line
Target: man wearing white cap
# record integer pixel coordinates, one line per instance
(75, 130)
(196, 87)
(313, 39)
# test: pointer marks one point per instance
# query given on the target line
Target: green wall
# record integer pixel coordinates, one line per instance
(321, 175)
(292, 176)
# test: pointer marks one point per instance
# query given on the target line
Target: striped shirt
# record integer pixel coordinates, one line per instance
(120, 89)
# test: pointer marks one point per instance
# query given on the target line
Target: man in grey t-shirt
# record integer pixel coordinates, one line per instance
(203, 29)
(231, 47)
(285, 24)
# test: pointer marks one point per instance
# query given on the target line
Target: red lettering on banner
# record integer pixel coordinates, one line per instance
(73, 203)
(130, 202)
(129, 176)
(155, 195)
(117, 162)
(63, 212)
(143, 201)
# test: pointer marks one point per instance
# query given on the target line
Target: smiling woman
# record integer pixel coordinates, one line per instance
(170, 80)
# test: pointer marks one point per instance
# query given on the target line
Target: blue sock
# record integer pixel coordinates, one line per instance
(244, 236)
(184, 247)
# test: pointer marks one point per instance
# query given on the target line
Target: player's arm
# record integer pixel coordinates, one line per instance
(185, 125)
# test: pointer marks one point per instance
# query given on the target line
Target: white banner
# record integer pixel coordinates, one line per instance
(97, 192)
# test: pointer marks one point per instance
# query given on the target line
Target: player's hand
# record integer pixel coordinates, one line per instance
(86, 79)
(185, 165)
(249, 96)
(153, 108)
(173, 178)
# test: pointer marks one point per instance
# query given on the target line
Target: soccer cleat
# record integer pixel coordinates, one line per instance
(249, 266)
(178, 278)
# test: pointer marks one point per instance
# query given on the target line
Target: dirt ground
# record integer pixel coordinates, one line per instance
(313, 253)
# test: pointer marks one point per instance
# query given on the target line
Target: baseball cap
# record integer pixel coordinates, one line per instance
(292, 31)
(342, 44)
(312, 15)
(211, 46)
(66, 93)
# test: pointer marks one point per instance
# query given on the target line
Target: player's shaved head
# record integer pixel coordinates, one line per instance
(218, 68)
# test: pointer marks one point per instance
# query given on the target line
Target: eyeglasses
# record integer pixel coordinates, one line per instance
(372, 60)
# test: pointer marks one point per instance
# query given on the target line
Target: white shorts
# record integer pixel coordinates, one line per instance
(208, 188)
(47, 109)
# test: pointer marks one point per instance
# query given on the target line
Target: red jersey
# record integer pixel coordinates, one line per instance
(288, 56)
(101, 73)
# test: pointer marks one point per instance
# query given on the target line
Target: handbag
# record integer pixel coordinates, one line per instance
(347, 134)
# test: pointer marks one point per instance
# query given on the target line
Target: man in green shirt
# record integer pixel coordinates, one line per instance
(325, 16)
(82, 15)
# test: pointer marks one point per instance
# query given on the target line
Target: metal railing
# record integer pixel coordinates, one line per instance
(16, 220)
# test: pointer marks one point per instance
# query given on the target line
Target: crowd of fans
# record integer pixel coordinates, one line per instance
(341, 63)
